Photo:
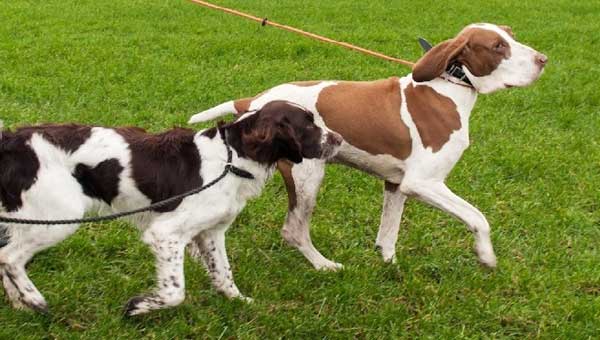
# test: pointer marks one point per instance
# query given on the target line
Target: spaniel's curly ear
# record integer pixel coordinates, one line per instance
(258, 143)
(435, 62)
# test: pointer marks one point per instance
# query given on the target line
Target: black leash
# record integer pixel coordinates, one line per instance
(229, 168)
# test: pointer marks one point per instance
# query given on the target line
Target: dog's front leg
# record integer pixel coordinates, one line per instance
(209, 246)
(437, 194)
(168, 250)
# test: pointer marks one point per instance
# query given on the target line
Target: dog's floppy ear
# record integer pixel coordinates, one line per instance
(435, 62)
(288, 144)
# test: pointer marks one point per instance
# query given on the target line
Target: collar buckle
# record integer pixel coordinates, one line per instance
(455, 70)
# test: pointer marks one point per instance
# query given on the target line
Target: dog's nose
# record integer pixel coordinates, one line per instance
(541, 59)
(334, 138)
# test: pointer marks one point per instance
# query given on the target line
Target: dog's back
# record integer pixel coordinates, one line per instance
(100, 160)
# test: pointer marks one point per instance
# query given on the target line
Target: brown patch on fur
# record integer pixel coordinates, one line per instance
(484, 51)
(165, 164)
(434, 115)
(243, 105)
(391, 187)
(367, 115)
(285, 168)
(480, 50)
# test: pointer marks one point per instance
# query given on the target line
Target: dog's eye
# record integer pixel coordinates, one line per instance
(499, 46)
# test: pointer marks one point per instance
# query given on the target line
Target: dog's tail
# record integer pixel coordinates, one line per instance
(215, 112)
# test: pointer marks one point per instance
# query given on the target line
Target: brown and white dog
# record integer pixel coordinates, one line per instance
(64, 171)
(409, 131)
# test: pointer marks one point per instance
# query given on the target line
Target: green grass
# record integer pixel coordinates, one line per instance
(533, 169)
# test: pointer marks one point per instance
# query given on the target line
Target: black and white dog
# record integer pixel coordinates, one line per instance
(66, 171)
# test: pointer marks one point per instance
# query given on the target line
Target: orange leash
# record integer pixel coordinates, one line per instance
(265, 22)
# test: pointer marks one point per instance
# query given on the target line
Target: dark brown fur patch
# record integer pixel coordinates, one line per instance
(19, 166)
(277, 131)
(68, 137)
(367, 115)
(434, 115)
(210, 133)
(165, 164)
(101, 181)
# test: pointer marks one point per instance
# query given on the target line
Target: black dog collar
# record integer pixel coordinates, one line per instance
(232, 168)
(455, 70)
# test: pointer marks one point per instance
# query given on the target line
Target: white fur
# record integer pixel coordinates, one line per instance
(421, 175)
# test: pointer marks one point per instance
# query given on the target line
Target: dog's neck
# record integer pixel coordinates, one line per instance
(463, 97)
(213, 149)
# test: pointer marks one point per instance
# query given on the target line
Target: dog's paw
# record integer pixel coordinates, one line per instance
(388, 255)
(329, 266)
(39, 306)
(28, 301)
(33, 306)
(486, 258)
(389, 259)
(136, 306)
(245, 299)
(488, 261)
(485, 253)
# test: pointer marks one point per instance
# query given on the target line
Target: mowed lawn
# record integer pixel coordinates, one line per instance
(533, 169)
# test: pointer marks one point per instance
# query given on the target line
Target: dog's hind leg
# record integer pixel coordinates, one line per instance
(45, 200)
(393, 205)
(302, 183)
(209, 247)
(23, 243)
(168, 247)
